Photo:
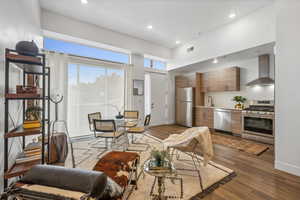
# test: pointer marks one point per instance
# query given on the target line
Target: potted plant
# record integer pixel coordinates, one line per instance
(239, 102)
(159, 157)
(33, 117)
(33, 113)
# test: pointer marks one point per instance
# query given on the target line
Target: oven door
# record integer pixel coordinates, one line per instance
(258, 125)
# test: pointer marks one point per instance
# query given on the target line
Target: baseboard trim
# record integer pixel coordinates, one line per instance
(289, 168)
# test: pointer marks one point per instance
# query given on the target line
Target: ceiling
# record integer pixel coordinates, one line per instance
(172, 20)
(230, 58)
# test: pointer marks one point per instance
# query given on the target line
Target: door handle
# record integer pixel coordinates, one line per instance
(152, 105)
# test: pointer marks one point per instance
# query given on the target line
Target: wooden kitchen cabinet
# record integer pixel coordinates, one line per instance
(236, 122)
(221, 80)
(204, 116)
(185, 81)
(200, 96)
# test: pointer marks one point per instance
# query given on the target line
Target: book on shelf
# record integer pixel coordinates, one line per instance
(27, 159)
(29, 155)
(31, 124)
(33, 146)
(32, 152)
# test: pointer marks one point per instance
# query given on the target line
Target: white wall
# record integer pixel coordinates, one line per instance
(287, 96)
(171, 97)
(68, 26)
(139, 74)
(19, 20)
(253, 30)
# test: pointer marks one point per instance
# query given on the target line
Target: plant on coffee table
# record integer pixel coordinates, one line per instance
(159, 157)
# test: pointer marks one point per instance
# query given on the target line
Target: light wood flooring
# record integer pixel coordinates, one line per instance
(256, 177)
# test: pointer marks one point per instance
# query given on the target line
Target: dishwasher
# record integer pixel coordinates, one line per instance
(222, 120)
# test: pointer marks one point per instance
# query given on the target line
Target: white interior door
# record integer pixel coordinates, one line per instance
(158, 98)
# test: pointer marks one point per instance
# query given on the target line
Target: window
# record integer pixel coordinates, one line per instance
(147, 62)
(155, 64)
(93, 89)
(86, 51)
(159, 65)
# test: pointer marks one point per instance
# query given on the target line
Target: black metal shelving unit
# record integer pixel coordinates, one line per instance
(30, 66)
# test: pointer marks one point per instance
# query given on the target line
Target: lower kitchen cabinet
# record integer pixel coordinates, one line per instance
(204, 116)
(236, 122)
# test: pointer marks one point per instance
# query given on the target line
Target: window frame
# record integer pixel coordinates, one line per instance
(91, 62)
(88, 46)
(152, 61)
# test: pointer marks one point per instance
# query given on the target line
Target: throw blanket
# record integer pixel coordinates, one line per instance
(186, 140)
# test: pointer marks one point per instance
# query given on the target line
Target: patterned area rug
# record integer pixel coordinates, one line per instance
(213, 175)
(219, 138)
(240, 144)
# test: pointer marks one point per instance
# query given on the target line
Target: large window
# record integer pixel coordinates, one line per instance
(155, 64)
(86, 51)
(93, 89)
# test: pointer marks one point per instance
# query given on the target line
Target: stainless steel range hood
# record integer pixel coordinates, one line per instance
(263, 72)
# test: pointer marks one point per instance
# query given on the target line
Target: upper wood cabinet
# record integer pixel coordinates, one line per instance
(185, 81)
(221, 80)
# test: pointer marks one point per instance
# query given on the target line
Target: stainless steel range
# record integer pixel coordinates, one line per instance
(258, 121)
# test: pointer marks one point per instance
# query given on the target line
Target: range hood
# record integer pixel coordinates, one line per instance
(263, 72)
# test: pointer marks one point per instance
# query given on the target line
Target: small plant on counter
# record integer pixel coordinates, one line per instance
(239, 102)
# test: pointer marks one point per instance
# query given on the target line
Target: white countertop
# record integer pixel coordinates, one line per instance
(216, 107)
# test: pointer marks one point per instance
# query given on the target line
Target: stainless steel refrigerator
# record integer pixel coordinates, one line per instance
(184, 106)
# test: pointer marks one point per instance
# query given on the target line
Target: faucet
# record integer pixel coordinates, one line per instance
(210, 101)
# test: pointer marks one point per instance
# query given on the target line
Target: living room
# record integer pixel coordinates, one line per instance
(150, 103)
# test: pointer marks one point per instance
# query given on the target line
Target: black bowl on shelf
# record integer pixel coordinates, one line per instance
(27, 48)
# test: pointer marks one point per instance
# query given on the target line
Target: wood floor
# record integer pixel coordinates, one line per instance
(256, 177)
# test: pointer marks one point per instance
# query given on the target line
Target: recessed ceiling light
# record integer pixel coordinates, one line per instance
(232, 15)
(84, 1)
(177, 42)
(149, 27)
(215, 61)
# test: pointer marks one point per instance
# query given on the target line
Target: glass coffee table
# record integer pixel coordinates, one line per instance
(160, 177)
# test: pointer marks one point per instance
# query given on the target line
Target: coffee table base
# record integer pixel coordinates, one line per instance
(156, 197)
(160, 184)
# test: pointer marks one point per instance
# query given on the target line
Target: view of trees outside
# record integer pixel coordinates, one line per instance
(93, 89)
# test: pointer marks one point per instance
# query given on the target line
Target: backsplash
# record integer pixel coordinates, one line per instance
(224, 99)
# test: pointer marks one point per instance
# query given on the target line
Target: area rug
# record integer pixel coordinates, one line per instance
(240, 144)
(213, 175)
(218, 138)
